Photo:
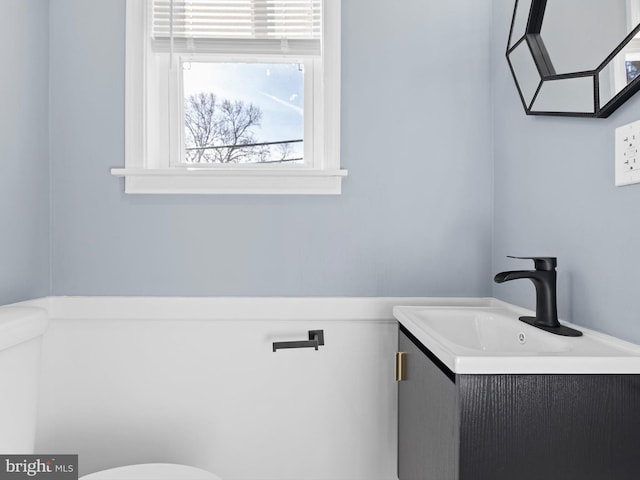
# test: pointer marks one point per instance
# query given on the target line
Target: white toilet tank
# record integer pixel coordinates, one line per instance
(21, 330)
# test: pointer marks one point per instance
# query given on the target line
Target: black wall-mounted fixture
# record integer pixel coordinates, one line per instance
(316, 338)
(569, 59)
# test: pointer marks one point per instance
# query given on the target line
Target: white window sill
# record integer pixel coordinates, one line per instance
(231, 181)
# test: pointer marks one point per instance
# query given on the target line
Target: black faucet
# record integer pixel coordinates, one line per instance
(544, 279)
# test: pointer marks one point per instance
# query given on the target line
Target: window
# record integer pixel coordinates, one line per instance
(232, 96)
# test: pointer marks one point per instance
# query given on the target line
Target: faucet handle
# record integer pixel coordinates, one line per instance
(547, 264)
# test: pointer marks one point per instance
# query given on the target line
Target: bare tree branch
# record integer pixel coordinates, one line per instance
(211, 123)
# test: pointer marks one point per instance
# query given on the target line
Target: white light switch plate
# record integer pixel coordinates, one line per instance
(627, 158)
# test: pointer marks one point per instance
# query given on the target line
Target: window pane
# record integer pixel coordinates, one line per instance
(243, 113)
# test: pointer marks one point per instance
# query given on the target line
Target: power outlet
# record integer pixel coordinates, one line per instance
(627, 157)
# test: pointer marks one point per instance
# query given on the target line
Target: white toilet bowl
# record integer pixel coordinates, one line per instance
(152, 471)
(21, 330)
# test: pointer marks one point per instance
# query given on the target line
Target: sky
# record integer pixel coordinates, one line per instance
(277, 89)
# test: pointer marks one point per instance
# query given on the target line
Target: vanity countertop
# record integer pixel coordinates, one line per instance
(490, 339)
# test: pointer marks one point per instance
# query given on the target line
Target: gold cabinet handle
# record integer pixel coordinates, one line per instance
(400, 367)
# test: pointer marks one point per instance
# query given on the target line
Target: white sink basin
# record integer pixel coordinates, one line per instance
(490, 340)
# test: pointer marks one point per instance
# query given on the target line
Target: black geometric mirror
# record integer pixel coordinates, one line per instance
(578, 58)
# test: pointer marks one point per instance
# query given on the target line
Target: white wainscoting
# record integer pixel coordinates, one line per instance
(194, 381)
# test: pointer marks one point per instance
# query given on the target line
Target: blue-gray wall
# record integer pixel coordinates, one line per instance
(422, 118)
(24, 150)
(555, 195)
(415, 214)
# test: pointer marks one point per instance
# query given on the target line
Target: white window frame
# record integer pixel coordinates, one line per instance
(146, 174)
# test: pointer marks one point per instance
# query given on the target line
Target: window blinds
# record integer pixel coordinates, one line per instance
(283, 27)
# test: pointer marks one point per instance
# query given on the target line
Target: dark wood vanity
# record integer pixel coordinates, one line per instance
(514, 427)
